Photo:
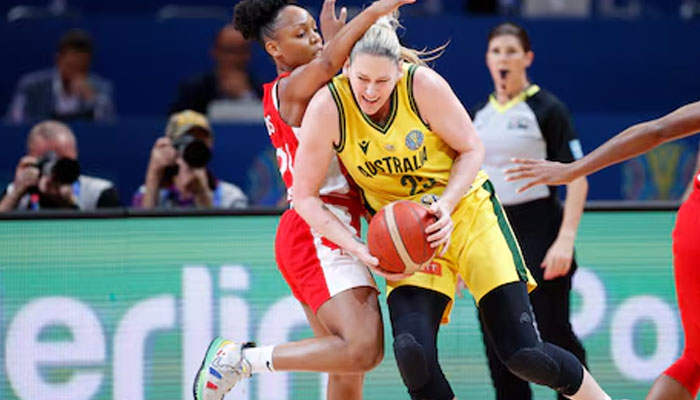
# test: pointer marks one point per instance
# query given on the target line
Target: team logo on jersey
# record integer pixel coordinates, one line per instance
(364, 144)
(414, 139)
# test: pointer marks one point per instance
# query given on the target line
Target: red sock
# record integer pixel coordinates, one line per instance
(686, 372)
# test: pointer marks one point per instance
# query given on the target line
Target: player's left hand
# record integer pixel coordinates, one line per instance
(540, 172)
(557, 261)
(330, 22)
(439, 233)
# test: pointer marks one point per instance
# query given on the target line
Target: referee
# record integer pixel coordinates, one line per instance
(522, 120)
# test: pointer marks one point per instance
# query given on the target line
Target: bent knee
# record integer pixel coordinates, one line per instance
(365, 353)
(363, 359)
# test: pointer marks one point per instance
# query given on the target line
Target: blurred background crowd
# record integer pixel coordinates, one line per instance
(150, 104)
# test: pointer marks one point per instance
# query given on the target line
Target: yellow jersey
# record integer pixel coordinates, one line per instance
(400, 160)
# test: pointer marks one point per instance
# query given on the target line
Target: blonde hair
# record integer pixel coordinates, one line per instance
(381, 40)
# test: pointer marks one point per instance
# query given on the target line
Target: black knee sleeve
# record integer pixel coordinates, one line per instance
(548, 365)
(411, 361)
(415, 319)
(509, 322)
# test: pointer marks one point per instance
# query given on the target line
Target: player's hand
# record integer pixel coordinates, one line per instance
(389, 276)
(361, 251)
(330, 22)
(385, 7)
(557, 261)
(540, 172)
(439, 233)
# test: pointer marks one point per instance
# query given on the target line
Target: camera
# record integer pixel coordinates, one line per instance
(61, 170)
(194, 151)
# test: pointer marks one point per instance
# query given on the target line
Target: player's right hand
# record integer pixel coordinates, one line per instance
(331, 23)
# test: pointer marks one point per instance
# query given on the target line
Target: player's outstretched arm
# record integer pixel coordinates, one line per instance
(629, 143)
(297, 90)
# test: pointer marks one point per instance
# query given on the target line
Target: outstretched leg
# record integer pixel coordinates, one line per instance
(353, 346)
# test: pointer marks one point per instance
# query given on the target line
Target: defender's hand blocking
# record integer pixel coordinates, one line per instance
(330, 22)
(542, 172)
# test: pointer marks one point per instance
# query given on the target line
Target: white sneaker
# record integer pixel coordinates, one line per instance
(222, 368)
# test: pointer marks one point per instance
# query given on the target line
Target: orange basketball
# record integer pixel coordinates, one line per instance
(396, 236)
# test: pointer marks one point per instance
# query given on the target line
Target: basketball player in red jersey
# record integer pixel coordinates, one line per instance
(335, 288)
(682, 380)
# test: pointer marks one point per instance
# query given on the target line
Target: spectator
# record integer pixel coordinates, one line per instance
(229, 80)
(178, 175)
(49, 175)
(66, 92)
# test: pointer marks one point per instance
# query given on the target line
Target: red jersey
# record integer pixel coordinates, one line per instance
(285, 140)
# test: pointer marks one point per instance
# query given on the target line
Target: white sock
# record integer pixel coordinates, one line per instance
(260, 358)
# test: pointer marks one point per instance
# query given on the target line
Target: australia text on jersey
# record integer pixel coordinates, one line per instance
(394, 165)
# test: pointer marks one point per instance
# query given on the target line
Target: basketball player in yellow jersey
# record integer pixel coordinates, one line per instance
(401, 133)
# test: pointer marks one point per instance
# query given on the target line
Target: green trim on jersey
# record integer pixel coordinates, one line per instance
(341, 117)
(501, 108)
(507, 232)
(412, 100)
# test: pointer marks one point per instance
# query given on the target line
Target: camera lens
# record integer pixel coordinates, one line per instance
(196, 154)
(194, 151)
(61, 170)
(65, 171)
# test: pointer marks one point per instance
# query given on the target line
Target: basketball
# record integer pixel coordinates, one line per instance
(396, 236)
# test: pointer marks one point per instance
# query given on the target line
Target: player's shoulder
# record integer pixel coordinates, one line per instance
(425, 77)
(323, 96)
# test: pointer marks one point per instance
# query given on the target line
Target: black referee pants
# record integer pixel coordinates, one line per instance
(536, 225)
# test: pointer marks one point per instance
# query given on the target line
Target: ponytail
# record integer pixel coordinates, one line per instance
(381, 40)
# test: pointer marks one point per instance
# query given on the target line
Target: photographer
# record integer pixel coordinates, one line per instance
(48, 177)
(178, 176)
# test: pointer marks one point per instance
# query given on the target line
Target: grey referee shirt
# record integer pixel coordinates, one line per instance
(534, 125)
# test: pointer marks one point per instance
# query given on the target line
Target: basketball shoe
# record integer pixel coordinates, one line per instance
(222, 368)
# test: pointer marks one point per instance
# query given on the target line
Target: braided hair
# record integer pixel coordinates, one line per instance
(257, 19)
